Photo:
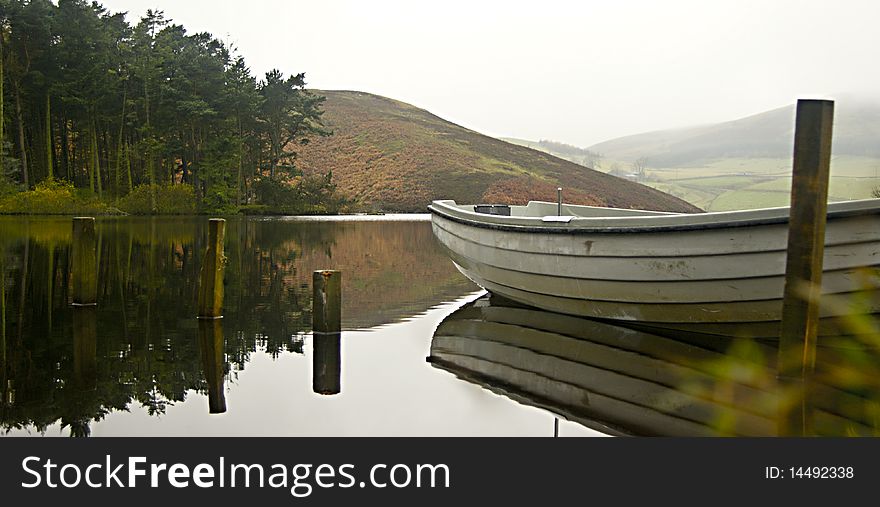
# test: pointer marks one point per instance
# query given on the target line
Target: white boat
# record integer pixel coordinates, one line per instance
(715, 271)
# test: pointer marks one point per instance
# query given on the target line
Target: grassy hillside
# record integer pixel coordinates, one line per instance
(391, 156)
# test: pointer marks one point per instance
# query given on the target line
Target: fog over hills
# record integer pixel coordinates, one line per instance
(765, 135)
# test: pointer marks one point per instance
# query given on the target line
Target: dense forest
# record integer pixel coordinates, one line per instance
(97, 114)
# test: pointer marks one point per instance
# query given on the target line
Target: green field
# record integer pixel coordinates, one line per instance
(731, 184)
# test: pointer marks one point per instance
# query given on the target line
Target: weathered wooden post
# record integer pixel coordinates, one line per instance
(806, 237)
(84, 262)
(213, 351)
(326, 335)
(211, 343)
(327, 301)
(806, 244)
(211, 274)
(85, 348)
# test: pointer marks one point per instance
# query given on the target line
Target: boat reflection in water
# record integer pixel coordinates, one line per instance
(624, 381)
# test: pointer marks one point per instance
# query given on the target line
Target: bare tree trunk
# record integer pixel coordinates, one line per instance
(197, 187)
(127, 159)
(238, 179)
(65, 148)
(21, 144)
(119, 141)
(97, 158)
(151, 174)
(50, 146)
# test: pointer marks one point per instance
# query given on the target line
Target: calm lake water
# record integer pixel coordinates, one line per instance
(423, 351)
(138, 365)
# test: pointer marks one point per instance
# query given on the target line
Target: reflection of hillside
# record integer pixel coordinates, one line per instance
(388, 273)
(141, 344)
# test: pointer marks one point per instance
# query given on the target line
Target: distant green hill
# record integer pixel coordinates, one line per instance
(765, 135)
(745, 163)
(392, 156)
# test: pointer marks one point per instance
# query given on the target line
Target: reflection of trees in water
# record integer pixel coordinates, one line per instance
(144, 331)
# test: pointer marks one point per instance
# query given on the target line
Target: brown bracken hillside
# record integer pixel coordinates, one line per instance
(391, 156)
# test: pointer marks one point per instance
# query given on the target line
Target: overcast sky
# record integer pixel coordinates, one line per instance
(576, 72)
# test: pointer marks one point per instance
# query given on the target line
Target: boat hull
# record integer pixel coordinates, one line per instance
(675, 277)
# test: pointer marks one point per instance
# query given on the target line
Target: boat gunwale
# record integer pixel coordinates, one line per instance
(449, 210)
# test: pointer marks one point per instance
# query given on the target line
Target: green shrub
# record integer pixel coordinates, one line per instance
(218, 200)
(54, 197)
(7, 187)
(159, 200)
(307, 195)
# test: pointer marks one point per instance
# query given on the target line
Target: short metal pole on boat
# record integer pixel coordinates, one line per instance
(559, 201)
(805, 251)
(326, 331)
(84, 261)
(211, 274)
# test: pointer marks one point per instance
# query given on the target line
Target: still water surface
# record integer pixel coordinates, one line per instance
(423, 351)
(139, 364)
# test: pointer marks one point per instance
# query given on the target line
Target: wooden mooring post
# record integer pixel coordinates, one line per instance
(326, 331)
(327, 301)
(211, 274)
(84, 262)
(803, 267)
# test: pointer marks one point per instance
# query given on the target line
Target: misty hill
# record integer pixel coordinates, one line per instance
(766, 135)
(392, 156)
